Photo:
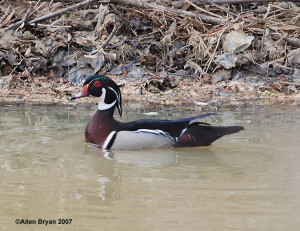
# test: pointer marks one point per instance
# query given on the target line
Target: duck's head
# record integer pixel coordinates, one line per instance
(106, 89)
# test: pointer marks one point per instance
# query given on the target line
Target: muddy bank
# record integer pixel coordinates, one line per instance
(190, 92)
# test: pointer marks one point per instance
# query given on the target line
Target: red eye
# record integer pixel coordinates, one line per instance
(97, 83)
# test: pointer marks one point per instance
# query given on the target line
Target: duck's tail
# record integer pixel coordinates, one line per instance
(201, 134)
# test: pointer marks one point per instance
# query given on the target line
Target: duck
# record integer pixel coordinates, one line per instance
(105, 132)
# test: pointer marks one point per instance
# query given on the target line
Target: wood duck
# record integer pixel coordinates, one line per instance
(107, 133)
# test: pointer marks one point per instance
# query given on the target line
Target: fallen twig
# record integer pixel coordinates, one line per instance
(45, 17)
(6, 13)
(144, 5)
(51, 15)
(290, 83)
(203, 10)
(222, 8)
(214, 54)
(290, 40)
(26, 16)
(116, 27)
(135, 3)
(203, 17)
(286, 5)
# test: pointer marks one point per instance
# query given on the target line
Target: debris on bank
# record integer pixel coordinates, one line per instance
(162, 51)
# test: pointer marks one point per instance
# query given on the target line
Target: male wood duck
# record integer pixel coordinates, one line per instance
(107, 133)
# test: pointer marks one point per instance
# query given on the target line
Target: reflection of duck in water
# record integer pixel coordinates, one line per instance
(107, 133)
(155, 157)
(145, 157)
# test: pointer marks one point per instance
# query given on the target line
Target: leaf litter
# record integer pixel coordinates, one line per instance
(157, 51)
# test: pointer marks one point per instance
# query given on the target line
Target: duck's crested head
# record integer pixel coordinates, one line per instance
(103, 87)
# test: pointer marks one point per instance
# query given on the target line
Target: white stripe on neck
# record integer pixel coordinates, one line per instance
(101, 104)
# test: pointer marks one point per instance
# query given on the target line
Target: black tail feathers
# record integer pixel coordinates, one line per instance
(199, 134)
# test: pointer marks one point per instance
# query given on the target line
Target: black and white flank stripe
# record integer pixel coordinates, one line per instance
(139, 139)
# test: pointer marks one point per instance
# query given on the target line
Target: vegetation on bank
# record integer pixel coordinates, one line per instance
(161, 51)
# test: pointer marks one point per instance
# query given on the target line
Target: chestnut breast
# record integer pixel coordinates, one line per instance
(99, 127)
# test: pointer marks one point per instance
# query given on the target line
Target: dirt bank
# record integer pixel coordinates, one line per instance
(183, 93)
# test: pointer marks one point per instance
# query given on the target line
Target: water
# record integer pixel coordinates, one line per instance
(246, 181)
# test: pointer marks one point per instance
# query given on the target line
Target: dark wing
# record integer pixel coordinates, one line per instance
(200, 134)
(172, 127)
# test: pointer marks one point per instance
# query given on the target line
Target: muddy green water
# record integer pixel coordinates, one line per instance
(247, 181)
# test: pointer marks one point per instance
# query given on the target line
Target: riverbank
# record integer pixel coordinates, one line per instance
(158, 52)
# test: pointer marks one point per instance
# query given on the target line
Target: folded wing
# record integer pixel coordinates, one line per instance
(200, 134)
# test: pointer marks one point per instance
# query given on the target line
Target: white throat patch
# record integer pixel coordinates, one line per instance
(101, 104)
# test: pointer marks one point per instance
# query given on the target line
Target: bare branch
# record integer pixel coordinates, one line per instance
(45, 17)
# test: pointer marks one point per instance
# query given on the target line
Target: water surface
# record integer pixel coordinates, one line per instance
(246, 181)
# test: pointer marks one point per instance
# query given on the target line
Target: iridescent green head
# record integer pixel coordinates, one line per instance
(106, 89)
